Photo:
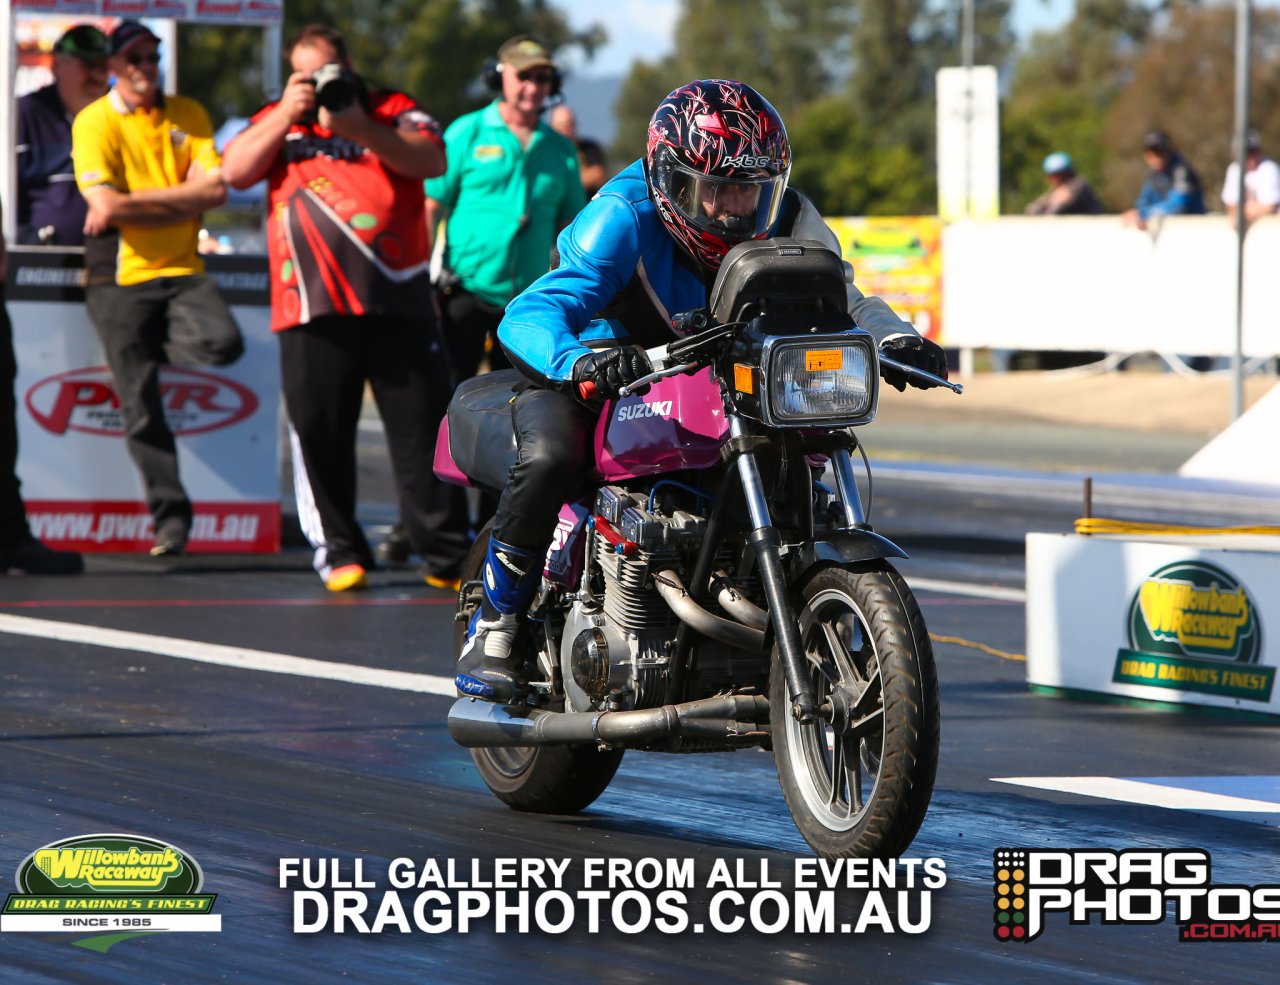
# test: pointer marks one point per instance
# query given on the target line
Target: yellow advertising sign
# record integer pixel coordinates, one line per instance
(899, 260)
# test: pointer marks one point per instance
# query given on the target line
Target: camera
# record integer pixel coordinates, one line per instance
(335, 87)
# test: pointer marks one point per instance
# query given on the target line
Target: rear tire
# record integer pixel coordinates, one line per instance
(538, 779)
(859, 787)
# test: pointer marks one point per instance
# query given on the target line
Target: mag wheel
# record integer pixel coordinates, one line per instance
(858, 781)
(541, 779)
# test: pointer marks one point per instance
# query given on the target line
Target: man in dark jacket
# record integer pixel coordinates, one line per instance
(1172, 186)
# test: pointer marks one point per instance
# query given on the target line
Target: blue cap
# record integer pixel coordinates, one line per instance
(1057, 162)
(127, 34)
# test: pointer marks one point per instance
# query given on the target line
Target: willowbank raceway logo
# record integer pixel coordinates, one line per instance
(114, 886)
(1132, 887)
(1193, 627)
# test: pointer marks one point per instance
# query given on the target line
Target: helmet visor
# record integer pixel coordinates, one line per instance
(735, 209)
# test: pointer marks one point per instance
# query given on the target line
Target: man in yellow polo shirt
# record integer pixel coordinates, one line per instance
(147, 167)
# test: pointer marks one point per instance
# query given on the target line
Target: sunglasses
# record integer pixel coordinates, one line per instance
(139, 59)
(538, 77)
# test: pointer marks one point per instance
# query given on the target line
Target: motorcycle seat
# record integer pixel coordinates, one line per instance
(482, 439)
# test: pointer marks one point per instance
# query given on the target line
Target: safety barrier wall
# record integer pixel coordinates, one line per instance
(1183, 621)
(80, 486)
(1090, 283)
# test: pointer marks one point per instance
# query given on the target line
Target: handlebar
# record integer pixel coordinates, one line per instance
(659, 355)
(912, 373)
(657, 359)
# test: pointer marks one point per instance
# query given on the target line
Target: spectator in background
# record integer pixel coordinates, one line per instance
(1172, 187)
(591, 160)
(1068, 194)
(512, 184)
(19, 551)
(51, 211)
(147, 167)
(1261, 182)
(351, 299)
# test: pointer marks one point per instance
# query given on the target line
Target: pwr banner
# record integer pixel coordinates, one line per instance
(227, 528)
(80, 486)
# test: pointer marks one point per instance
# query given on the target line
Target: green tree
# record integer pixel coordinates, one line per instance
(854, 80)
(1063, 85)
(1184, 82)
(789, 50)
(434, 50)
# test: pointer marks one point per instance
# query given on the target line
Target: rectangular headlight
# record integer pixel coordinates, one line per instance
(820, 381)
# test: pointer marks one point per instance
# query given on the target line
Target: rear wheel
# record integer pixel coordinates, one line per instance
(540, 779)
(858, 781)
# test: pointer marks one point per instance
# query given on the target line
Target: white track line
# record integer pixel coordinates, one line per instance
(1135, 792)
(965, 588)
(281, 663)
(227, 656)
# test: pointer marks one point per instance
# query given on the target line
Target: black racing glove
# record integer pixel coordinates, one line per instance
(912, 350)
(602, 374)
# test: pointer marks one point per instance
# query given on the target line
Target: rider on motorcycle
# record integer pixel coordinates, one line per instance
(647, 247)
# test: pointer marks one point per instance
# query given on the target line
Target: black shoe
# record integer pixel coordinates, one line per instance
(171, 541)
(34, 558)
(395, 549)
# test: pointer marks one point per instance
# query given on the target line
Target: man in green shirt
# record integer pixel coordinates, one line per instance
(512, 184)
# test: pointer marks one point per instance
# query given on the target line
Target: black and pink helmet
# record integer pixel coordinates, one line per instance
(717, 162)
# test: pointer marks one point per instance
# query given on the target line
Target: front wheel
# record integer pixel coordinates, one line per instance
(539, 779)
(858, 780)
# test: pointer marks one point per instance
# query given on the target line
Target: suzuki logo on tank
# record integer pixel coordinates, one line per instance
(84, 400)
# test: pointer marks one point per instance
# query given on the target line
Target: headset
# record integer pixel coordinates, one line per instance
(492, 74)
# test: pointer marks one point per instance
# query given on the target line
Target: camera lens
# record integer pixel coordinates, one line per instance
(335, 87)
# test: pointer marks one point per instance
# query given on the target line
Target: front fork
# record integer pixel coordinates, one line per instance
(767, 543)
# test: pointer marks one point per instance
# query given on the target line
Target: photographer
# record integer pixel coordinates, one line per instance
(351, 298)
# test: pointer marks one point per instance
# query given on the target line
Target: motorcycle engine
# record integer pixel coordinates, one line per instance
(617, 643)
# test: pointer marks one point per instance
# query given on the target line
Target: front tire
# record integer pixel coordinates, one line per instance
(538, 779)
(859, 786)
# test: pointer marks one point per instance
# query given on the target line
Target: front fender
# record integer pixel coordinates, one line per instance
(842, 547)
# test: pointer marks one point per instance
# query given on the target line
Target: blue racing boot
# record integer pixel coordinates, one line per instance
(486, 669)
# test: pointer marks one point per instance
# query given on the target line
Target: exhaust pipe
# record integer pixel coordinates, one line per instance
(736, 604)
(735, 634)
(485, 724)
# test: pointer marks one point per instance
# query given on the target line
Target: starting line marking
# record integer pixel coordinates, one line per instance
(1161, 792)
(228, 656)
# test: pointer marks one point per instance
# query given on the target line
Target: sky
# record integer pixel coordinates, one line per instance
(643, 29)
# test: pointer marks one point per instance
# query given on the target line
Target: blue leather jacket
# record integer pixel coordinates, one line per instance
(618, 245)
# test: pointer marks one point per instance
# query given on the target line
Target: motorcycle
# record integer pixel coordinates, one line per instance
(708, 592)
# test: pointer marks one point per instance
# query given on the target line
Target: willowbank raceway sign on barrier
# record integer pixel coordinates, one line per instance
(1152, 621)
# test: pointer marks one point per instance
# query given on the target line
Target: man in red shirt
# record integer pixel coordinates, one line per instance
(351, 299)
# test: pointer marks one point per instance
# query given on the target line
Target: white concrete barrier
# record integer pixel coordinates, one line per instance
(1175, 621)
(1089, 283)
(1243, 452)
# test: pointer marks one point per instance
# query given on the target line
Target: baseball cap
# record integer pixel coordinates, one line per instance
(523, 52)
(1253, 142)
(1158, 141)
(127, 34)
(1057, 162)
(84, 41)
